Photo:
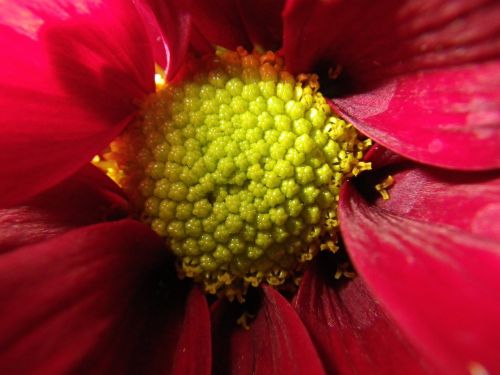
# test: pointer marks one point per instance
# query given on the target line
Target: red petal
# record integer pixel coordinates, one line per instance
(447, 118)
(233, 23)
(68, 81)
(169, 25)
(351, 331)
(219, 22)
(193, 354)
(276, 343)
(86, 198)
(262, 21)
(468, 201)
(440, 284)
(93, 301)
(425, 76)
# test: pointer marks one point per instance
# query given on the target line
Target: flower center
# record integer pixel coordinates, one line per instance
(239, 168)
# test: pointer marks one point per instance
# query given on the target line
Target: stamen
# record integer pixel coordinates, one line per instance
(382, 187)
(244, 320)
(344, 269)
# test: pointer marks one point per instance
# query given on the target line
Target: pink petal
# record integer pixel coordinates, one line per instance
(71, 77)
(96, 300)
(234, 23)
(276, 343)
(467, 201)
(439, 283)
(351, 331)
(424, 76)
(86, 198)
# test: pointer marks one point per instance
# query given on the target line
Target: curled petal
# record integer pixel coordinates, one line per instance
(99, 299)
(421, 78)
(439, 283)
(70, 79)
(276, 342)
(351, 331)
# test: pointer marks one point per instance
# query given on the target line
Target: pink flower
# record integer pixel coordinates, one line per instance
(85, 289)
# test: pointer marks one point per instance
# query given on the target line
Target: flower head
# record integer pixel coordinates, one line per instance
(86, 287)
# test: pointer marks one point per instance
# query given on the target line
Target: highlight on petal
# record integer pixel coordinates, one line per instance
(275, 343)
(422, 79)
(234, 23)
(99, 299)
(70, 76)
(88, 197)
(352, 333)
(438, 283)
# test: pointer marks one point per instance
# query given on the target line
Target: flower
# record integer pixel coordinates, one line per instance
(84, 288)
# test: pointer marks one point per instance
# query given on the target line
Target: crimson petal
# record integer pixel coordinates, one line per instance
(86, 198)
(440, 284)
(276, 343)
(99, 299)
(352, 333)
(69, 81)
(425, 77)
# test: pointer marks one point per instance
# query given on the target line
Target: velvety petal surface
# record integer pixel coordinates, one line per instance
(420, 77)
(234, 23)
(276, 343)
(438, 282)
(71, 75)
(100, 299)
(88, 197)
(351, 331)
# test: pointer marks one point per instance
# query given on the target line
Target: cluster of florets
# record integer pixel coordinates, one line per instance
(240, 168)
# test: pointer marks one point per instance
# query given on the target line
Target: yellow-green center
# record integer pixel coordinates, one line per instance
(239, 169)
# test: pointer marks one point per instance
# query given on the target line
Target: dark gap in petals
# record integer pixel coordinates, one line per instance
(341, 85)
(365, 183)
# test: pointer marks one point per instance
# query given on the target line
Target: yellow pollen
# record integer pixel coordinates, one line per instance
(109, 166)
(382, 187)
(239, 168)
(344, 269)
(244, 320)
